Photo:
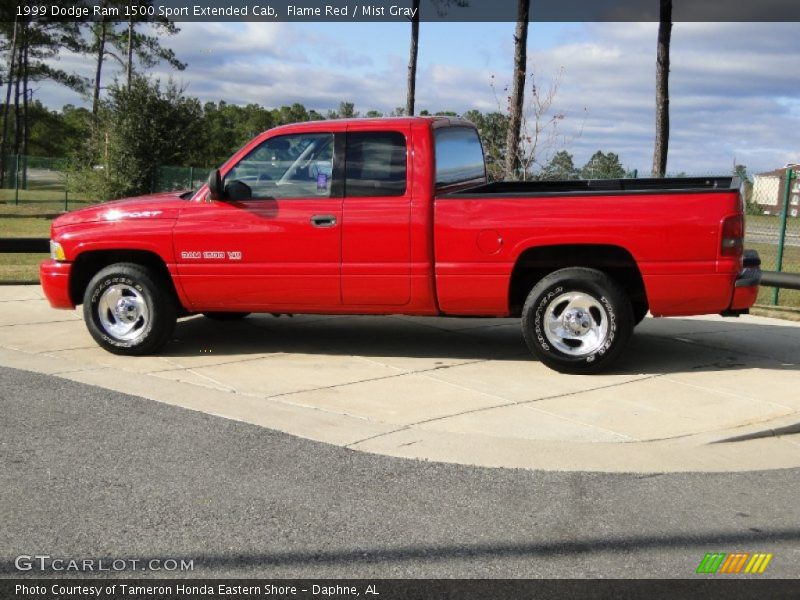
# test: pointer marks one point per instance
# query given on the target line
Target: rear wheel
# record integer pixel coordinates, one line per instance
(577, 320)
(639, 312)
(129, 309)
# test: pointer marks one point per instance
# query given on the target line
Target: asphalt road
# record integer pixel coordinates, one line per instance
(86, 473)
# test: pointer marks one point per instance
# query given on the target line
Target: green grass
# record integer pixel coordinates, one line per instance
(38, 195)
(786, 298)
(25, 227)
(772, 221)
(20, 267)
(761, 220)
(38, 202)
(791, 264)
(30, 218)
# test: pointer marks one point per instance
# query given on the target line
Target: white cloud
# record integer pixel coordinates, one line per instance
(727, 83)
(733, 87)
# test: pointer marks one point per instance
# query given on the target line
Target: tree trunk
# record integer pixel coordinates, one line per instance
(11, 72)
(517, 100)
(662, 90)
(129, 66)
(24, 74)
(101, 51)
(412, 60)
(25, 128)
(17, 112)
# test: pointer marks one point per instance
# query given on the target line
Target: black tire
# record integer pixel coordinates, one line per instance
(145, 305)
(225, 316)
(590, 308)
(639, 312)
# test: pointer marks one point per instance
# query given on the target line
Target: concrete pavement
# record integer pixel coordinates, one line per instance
(694, 394)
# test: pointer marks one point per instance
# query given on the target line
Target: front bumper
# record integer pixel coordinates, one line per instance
(745, 289)
(54, 277)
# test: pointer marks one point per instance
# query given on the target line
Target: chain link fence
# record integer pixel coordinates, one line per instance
(773, 227)
(180, 178)
(44, 184)
(43, 181)
(36, 189)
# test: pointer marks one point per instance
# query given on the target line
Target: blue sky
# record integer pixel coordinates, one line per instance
(735, 93)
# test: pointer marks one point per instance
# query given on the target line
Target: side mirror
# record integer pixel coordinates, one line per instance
(215, 191)
(236, 190)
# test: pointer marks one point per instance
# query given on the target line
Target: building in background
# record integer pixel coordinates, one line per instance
(769, 191)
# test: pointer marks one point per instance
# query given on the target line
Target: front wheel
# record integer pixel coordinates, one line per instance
(577, 320)
(128, 309)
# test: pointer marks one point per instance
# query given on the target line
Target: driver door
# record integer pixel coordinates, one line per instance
(274, 242)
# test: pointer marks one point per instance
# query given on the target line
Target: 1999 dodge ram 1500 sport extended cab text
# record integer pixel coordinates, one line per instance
(388, 216)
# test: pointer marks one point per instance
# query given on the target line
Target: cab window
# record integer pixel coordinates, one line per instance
(459, 156)
(287, 166)
(375, 164)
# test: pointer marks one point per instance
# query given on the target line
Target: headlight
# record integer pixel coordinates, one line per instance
(56, 251)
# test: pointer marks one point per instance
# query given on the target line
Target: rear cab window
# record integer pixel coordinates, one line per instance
(459, 158)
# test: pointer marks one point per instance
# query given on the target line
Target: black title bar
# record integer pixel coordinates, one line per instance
(403, 10)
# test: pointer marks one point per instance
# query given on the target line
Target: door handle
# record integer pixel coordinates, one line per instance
(323, 221)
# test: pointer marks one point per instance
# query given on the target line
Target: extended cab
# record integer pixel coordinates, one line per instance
(387, 216)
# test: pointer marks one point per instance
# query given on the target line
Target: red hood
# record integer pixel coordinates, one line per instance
(165, 205)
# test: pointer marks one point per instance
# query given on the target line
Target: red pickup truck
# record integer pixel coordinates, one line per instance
(388, 216)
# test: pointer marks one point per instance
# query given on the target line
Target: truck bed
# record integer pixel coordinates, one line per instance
(668, 228)
(598, 187)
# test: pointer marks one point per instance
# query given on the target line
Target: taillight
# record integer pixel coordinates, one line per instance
(732, 236)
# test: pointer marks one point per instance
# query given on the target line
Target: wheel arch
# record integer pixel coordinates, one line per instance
(87, 264)
(536, 262)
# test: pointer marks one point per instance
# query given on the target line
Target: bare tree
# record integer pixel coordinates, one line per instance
(662, 89)
(517, 99)
(441, 9)
(541, 134)
(412, 60)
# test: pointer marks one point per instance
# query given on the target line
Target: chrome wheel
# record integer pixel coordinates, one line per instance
(122, 312)
(576, 324)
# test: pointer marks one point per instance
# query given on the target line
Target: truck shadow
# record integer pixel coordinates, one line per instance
(680, 345)
(659, 346)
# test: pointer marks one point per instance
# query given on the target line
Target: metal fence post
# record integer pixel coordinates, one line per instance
(782, 231)
(66, 191)
(191, 177)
